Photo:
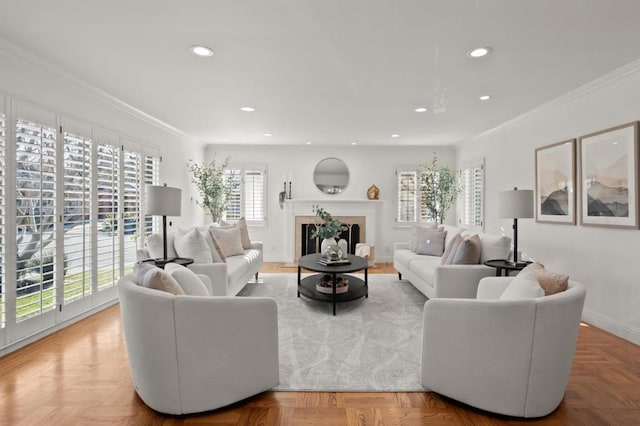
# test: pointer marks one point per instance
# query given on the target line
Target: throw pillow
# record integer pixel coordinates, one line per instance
(468, 252)
(151, 276)
(187, 279)
(450, 251)
(494, 247)
(416, 230)
(192, 244)
(217, 253)
(244, 234)
(523, 286)
(432, 243)
(535, 266)
(229, 240)
(552, 282)
(155, 246)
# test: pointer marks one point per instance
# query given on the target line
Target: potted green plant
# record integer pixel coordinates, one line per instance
(329, 230)
(214, 185)
(439, 187)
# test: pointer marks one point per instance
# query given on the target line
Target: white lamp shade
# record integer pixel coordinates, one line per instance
(163, 200)
(516, 204)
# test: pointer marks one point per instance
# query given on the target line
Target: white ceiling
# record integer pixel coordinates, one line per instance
(329, 71)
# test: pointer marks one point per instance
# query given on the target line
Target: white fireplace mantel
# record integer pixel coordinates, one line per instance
(338, 207)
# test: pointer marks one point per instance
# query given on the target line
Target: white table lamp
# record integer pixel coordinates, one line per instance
(163, 201)
(516, 204)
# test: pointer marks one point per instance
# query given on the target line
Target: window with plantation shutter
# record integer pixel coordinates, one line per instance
(132, 193)
(152, 224)
(248, 197)
(407, 194)
(108, 187)
(76, 217)
(3, 171)
(35, 219)
(471, 200)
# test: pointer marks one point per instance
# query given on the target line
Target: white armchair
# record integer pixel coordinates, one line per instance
(511, 357)
(192, 353)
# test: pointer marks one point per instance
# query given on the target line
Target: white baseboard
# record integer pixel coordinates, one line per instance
(622, 330)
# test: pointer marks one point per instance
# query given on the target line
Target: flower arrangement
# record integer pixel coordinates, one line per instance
(214, 185)
(330, 228)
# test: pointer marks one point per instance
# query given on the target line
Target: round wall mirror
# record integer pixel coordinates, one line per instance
(331, 175)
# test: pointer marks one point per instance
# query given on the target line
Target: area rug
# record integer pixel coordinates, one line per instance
(372, 344)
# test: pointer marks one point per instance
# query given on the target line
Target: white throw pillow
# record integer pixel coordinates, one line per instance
(188, 280)
(523, 286)
(155, 246)
(151, 276)
(192, 244)
(229, 240)
(494, 247)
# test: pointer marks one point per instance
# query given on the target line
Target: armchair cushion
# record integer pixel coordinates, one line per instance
(523, 286)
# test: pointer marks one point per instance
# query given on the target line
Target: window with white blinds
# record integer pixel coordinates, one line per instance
(35, 219)
(407, 196)
(132, 194)
(471, 200)
(3, 171)
(152, 224)
(108, 187)
(248, 197)
(76, 217)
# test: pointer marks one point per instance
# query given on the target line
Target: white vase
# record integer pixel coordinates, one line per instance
(344, 247)
(325, 244)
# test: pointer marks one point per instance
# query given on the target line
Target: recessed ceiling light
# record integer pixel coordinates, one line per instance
(247, 109)
(308, 142)
(354, 143)
(203, 51)
(395, 135)
(268, 134)
(479, 52)
(420, 109)
(484, 97)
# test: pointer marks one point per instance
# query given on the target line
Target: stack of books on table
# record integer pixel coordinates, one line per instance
(328, 262)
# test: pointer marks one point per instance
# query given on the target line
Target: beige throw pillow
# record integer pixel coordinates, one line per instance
(552, 282)
(150, 276)
(244, 234)
(229, 240)
(468, 252)
(450, 251)
(217, 253)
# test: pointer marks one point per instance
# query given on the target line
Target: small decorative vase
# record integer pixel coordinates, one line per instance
(333, 252)
(344, 247)
(326, 243)
(373, 192)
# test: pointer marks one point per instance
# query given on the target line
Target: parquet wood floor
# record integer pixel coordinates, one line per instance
(80, 376)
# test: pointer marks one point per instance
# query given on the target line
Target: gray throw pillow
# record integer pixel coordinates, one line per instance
(432, 243)
(469, 251)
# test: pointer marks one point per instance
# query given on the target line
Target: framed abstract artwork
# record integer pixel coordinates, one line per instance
(555, 183)
(609, 177)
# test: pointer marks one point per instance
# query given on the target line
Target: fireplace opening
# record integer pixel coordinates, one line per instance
(306, 225)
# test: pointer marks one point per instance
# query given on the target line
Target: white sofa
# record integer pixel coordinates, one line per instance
(190, 354)
(436, 280)
(227, 278)
(511, 357)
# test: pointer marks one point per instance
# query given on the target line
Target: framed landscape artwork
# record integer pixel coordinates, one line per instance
(555, 183)
(609, 177)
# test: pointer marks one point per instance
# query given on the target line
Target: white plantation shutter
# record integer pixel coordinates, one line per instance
(152, 224)
(254, 195)
(407, 191)
(471, 200)
(3, 171)
(77, 216)
(35, 218)
(131, 202)
(108, 186)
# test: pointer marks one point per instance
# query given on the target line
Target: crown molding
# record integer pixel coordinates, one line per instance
(631, 69)
(20, 54)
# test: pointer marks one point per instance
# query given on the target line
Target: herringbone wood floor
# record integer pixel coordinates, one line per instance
(80, 376)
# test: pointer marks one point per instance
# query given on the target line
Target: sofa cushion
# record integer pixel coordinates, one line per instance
(468, 252)
(187, 279)
(155, 246)
(229, 240)
(523, 286)
(405, 257)
(425, 268)
(494, 246)
(150, 276)
(431, 243)
(192, 244)
(450, 252)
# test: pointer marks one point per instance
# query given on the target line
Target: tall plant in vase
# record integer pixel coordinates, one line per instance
(329, 230)
(439, 189)
(214, 185)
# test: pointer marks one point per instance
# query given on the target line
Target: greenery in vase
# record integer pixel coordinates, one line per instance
(439, 187)
(214, 186)
(330, 228)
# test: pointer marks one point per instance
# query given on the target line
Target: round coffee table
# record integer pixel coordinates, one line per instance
(357, 287)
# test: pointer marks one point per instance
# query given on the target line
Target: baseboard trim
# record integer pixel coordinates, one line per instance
(618, 328)
(64, 324)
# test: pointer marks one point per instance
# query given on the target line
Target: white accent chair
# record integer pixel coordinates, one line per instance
(191, 354)
(511, 357)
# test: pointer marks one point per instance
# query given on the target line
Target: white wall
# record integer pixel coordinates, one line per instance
(604, 259)
(28, 79)
(367, 166)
